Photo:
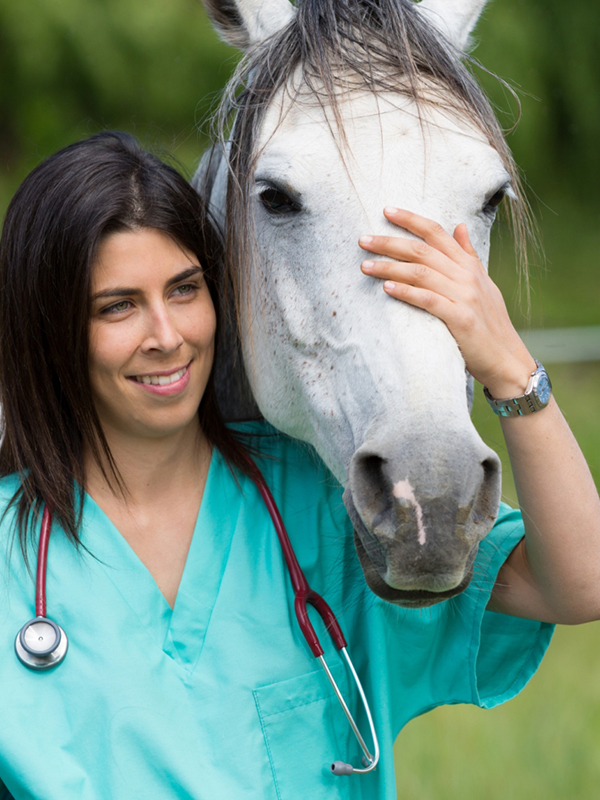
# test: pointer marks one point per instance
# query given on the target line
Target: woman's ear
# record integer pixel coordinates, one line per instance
(245, 23)
(454, 18)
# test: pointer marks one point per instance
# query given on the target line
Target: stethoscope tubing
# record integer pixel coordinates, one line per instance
(42, 563)
(303, 595)
(38, 657)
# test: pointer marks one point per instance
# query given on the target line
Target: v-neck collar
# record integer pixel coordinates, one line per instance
(180, 632)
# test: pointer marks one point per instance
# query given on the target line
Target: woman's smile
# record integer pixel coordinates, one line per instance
(167, 382)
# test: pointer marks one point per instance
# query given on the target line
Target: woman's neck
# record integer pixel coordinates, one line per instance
(164, 481)
(151, 468)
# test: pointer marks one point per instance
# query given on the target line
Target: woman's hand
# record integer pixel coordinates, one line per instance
(443, 275)
(554, 573)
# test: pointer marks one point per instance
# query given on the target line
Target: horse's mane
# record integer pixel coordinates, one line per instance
(330, 47)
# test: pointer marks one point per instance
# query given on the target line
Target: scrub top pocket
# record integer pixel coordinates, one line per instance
(305, 730)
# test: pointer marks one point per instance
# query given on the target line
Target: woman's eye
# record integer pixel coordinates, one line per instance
(277, 202)
(117, 308)
(184, 290)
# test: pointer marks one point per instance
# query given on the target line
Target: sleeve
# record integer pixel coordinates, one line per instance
(504, 651)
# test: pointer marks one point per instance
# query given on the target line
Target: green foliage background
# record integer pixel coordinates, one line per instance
(69, 68)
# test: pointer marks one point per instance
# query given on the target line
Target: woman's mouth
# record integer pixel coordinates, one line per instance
(166, 383)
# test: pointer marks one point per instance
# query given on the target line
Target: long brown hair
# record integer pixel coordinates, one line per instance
(50, 238)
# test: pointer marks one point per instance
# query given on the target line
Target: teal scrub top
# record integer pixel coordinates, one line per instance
(220, 698)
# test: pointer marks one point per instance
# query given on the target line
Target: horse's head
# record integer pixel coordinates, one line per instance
(351, 106)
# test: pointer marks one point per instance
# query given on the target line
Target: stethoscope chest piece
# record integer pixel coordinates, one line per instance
(41, 644)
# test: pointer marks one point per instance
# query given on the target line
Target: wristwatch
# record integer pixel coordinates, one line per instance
(537, 396)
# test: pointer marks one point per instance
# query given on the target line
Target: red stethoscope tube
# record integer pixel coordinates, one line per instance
(304, 595)
(302, 591)
(42, 564)
(41, 643)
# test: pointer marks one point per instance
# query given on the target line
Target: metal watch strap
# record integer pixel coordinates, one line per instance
(527, 403)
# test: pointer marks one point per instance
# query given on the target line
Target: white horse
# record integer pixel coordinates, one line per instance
(342, 107)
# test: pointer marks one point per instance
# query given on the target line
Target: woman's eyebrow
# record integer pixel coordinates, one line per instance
(128, 291)
(187, 273)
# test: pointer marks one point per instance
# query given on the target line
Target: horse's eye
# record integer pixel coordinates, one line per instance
(277, 202)
(494, 201)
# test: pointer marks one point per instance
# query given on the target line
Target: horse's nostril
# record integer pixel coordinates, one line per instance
(372, 484)
(486, 500)
(491, 471)
(372, 470)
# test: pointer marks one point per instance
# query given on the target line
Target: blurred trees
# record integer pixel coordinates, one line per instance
(550, 50)
(70, 67)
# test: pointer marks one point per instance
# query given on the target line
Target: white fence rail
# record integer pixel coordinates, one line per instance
(560, 345)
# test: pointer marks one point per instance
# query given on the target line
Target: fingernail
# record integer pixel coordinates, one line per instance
(391, 210)
(389, 286)
(368, 265)
(365, 239)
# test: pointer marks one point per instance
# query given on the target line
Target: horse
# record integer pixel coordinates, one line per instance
(339, 108)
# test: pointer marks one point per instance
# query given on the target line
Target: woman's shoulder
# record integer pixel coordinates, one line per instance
(292, 468)
(509, 522)
(275, 451)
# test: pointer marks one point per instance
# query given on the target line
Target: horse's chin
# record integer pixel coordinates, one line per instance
(406, 598)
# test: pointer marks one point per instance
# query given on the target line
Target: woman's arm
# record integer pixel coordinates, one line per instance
(553, 575)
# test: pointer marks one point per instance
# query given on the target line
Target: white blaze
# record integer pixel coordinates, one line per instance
(404, 491)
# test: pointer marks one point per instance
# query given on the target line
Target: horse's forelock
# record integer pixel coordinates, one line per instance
(374, 45)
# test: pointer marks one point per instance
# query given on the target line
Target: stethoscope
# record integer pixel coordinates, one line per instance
(42, 644)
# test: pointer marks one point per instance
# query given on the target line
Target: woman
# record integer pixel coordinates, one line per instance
(186, 674)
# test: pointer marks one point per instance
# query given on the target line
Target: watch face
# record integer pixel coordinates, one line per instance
(543, 390)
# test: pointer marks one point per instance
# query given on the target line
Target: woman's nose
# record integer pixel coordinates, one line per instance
(161, 332)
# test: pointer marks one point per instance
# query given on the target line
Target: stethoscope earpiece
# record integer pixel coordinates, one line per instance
(41, 643)
(341, 768)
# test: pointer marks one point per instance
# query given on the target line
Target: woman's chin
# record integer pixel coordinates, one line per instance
(154, 425)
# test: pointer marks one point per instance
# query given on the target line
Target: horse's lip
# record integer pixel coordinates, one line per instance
(407, 598)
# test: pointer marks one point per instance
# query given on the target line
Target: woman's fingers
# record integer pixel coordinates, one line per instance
(461, 235)
(419, 275)
(432, 233)
(416, 296)
(435, 247)
(414, 251)
(436, 304)
(442, 274)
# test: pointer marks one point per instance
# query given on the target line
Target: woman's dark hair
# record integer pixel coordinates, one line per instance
(51, 234)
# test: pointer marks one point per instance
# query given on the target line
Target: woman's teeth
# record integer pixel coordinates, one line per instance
(161, 380)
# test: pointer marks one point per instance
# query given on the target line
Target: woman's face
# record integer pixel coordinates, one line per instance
(152, 331)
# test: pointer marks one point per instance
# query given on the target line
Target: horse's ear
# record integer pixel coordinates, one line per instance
(454, 18)
(244, 23)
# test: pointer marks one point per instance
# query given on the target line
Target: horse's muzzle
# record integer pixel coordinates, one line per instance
(417, 546)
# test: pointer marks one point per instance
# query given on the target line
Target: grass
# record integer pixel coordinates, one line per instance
(544, 744)
(541, 746)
